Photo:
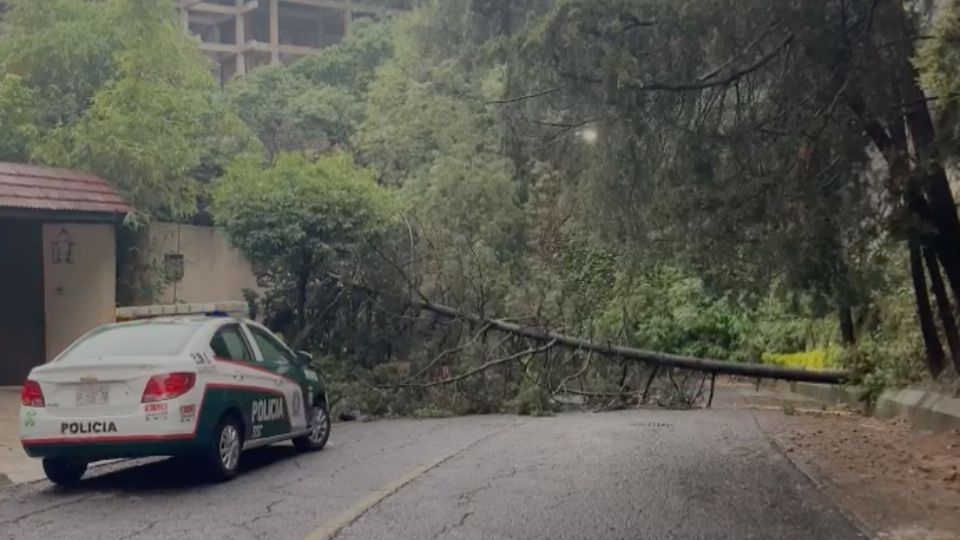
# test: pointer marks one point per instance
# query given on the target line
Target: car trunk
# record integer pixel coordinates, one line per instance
(98, 387)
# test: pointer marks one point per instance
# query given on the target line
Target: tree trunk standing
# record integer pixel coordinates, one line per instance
(845, 298)
(847, 333)
(303, 280)
(944, 307)
(938, 209)
(940, 205)
(931, 341)
(925, 188)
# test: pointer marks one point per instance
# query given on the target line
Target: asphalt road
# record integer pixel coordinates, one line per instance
(630, 475)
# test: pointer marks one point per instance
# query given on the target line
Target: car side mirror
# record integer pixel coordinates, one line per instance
(305, 358)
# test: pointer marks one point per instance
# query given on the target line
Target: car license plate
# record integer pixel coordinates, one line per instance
(93, 395)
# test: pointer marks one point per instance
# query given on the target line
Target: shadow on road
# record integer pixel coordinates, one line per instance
(172, 473)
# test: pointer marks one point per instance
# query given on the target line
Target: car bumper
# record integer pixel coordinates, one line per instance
(97, 451)
(147, 432)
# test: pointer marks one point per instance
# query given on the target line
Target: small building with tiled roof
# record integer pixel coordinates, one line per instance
(28, 189)
(58, 260)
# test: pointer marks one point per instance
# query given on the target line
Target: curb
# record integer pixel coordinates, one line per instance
(924, 409)
(823, 486)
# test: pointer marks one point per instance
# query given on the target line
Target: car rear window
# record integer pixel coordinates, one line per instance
(142, 339)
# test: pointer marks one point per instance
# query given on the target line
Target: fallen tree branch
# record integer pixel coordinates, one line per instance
(713, 384)
(700, 388)
(448, 352)
(562, 387)
(646, 387)
(472, 372)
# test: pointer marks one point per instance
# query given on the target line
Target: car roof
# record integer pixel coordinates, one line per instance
(198, 321)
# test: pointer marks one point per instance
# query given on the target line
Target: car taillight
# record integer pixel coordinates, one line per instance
(31, 395)
(168, 386)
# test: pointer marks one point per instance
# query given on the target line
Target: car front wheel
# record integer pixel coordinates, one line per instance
(319, 430)
(64, 472)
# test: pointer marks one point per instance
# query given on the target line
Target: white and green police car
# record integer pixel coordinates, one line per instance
(206, 387)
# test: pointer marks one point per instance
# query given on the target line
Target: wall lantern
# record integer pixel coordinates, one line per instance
(63, 248)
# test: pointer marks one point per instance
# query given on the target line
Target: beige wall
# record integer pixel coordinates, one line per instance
(213, 271)
(78, 295)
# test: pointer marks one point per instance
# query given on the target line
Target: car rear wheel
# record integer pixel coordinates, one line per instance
(319, 430)
(223, 452)
(64, 472)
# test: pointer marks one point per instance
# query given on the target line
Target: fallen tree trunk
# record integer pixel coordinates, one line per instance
(640, 355)
(657, 359)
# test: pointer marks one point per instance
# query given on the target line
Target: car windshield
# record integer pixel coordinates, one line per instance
(139, 339)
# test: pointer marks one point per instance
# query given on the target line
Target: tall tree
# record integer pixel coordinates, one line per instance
(121, 91)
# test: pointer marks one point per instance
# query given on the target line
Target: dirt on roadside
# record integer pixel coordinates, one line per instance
(898, 483)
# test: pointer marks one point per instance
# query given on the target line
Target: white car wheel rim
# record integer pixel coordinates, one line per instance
(318, 425)
(229, 447)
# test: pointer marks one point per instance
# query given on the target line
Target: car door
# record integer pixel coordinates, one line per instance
(251, 384)
(279, 359)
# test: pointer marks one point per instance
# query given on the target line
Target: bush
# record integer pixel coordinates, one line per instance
(815, 360)
(666, 310)
(531, 400)
(876, 364)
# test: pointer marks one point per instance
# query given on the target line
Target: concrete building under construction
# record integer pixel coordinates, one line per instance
(241, 35)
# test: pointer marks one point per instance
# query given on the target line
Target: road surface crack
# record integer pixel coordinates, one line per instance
(466, 497)
(138, 532)
(270, 506)
(460, 523)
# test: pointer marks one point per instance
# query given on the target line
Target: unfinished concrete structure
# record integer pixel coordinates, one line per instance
(240, 35)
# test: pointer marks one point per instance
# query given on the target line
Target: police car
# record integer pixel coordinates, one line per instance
(206, 387)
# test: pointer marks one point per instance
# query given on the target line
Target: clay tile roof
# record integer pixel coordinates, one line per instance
(29, 187)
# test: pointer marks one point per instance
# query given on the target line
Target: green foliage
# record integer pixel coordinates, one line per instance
(63, 49)
(889, 353)
(418, 107)
(531, 400)
(878, 363)
(815, 360)
(288, 113)
(431, 412)
(18, 119)
(295, 220)
(665, 310)
(727, 207)
(350, 64)
(588, 270)
(121, 91)
(316, 104)
(296, 216)
(938, 62)
(683, 228)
